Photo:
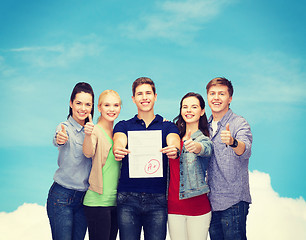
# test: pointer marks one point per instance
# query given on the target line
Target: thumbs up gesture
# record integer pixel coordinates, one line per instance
(89, 126)
(61, 136)
(226, 136)
(189, 143)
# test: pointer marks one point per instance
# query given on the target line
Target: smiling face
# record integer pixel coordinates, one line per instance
(81, 107)
(218, 100)
(109, 107)
(144, 98)
(191, 110)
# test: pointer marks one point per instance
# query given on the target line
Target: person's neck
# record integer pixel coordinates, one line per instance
(81, 122)
(218, 116)
(193, 127)
(147, 117)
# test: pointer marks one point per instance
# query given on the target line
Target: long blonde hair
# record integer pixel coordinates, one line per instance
(104, 94)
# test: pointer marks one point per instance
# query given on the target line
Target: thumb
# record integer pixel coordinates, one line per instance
(63, 128)
(227, 127)
(188, 135)
(90, 118)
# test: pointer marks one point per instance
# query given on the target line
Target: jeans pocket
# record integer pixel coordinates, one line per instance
(58, 195)
(161, 200)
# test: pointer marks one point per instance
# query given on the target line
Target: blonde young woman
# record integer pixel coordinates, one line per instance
(100, 199)
(189, 211)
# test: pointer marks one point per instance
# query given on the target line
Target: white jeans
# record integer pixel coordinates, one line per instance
(182, 227)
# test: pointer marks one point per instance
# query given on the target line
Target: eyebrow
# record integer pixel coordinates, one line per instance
(110, 103)
(216, 91)
(184, 105)
(79, 101)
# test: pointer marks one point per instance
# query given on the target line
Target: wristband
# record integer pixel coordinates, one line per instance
(178, 153)
(235, 143)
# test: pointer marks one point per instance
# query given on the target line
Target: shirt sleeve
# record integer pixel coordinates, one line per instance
(206, 149)
(172, 128)
(120, 127)
(243, 133)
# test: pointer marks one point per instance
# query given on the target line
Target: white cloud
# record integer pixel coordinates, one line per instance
(175, 20)
(58, 48)
(29, 221)
(270, 217)
(61, 55)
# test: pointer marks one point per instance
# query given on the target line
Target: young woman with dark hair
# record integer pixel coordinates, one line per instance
(65, 198)
(189, 210)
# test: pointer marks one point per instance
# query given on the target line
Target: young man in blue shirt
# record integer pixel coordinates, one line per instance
(142, 202)
(227, 172)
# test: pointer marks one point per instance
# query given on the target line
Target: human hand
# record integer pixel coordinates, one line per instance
(226, 136)
(89, 126)
(189, 143)
(170, 151)
(120, 153)
(61, 136)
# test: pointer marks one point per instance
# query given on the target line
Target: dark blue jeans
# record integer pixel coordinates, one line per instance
(66, 213)
(229, 224)
(137, 210)
(102, 222)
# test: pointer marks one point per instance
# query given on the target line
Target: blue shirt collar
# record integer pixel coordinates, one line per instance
(75, 124)
(157, 118)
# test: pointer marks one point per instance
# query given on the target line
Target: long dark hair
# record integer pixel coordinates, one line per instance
(82, 87)
(203, 123)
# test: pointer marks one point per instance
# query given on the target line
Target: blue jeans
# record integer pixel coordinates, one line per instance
(229, 224)
(66, 213)
(137, 210)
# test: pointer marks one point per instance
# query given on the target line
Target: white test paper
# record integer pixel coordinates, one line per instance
(145, 158)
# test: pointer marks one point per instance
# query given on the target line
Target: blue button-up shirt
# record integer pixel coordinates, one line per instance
(74, 167)
(228, 175)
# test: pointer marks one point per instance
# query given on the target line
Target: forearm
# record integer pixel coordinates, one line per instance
(120, 140)
(173, 139)
(239, 150)
(88, 146)
(119, 148)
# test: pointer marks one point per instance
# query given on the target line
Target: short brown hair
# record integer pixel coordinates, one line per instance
(221, 81)
(143, 80)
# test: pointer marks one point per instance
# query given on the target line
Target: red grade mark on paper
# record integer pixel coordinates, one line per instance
(152, 166)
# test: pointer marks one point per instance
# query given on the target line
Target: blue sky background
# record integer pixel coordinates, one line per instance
(46, 47)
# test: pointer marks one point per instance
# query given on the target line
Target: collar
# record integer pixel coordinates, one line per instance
(196, 134)
(224, 119)
(157, 118)
(75, 124)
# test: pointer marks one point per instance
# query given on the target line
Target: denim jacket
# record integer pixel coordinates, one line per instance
(193, 168)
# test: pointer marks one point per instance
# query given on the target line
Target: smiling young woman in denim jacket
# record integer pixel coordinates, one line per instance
(189, 211)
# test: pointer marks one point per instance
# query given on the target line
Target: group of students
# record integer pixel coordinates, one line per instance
(204, 183)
